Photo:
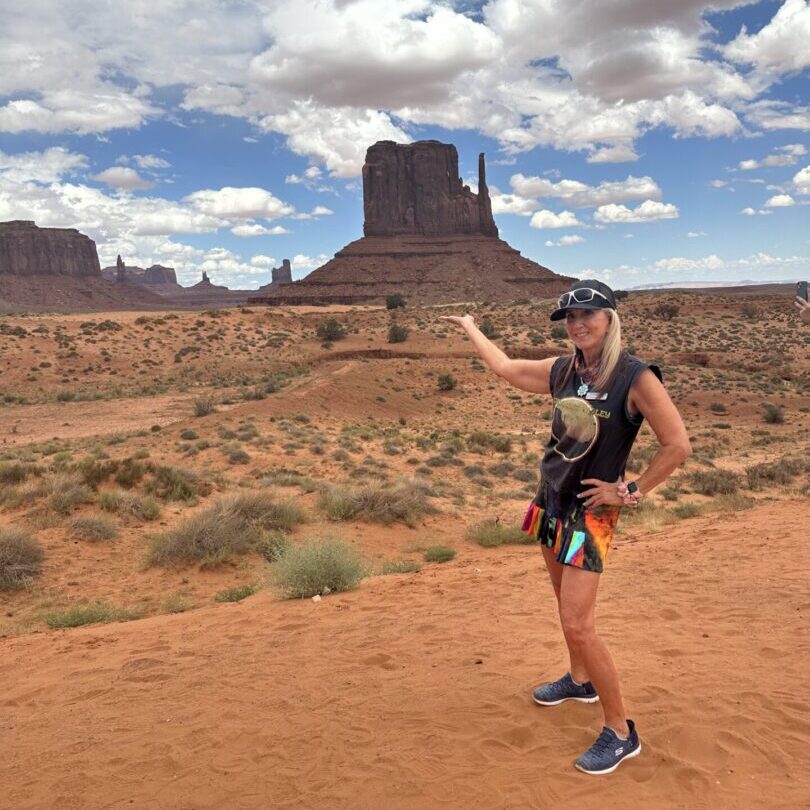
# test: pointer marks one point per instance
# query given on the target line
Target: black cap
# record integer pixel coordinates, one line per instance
(606, 300)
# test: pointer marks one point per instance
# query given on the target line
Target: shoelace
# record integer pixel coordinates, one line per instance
(602, 742)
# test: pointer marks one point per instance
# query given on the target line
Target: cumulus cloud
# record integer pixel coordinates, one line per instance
(623, 153)
(302, 263)
(787, 155)
(774, 114)
(565, 241)
(150, 162)
(648, 211)
(780, 201)
(511, 203)
(260, 260)
(239, 203)
(255, 229)
(548, 219)
(581, 195)
(780, 46)
(752, 212)
(801, 181)
(124, 178)
(712, 262)
(47, 166)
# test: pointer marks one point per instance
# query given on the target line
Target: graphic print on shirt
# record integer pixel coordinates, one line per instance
(575, 426)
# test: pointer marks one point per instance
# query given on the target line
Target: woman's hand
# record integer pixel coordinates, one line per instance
(462, 320)
(601, 493)
(804, 309)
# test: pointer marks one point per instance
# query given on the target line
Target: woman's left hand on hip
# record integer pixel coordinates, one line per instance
(600, 493)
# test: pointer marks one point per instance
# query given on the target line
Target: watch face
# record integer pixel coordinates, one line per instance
(632, 487)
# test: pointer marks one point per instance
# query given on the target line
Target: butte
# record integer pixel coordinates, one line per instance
(426, 237)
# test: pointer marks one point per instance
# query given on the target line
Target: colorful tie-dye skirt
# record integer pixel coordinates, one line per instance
(578, 537)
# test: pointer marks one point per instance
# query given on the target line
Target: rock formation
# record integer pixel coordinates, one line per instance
(120, 270)
(155, 276)
(158, 274)
(27, 250)
(283, 274)
(427, 237)
(415, 189)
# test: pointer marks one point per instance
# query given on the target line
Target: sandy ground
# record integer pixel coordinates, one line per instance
(414, 691)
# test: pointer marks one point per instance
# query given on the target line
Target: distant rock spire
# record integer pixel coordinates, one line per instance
(120, 270)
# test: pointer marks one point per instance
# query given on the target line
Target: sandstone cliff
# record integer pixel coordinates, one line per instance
(27, 250)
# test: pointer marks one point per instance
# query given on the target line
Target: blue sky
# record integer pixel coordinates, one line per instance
(641, 141)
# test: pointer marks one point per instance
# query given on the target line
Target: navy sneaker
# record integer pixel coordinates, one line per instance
(552, 694)
(609, 750)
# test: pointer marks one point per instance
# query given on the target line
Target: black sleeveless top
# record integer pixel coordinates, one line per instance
(592, 433)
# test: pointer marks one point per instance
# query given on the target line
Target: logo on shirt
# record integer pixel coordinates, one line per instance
(575, 426)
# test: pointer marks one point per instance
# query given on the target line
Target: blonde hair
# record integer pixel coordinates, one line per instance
(611, 354)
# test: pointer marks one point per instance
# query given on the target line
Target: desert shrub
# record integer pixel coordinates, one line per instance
(233, 525)
(274, 545)
(666, 311)
(401, 567)
(203, 406)
(236, 594)
(446, 382)
(14, 472)
(714, 482)
(93, 528)
(559, 332)
(479, 441)
(773, 414)
(129, 473)
(330, 330)
(490, 533)
(66, 491)
(188, 435)
(686, 510)
(238, 456)
(319, 566)
(93, 471)
(439, 554)
(488, 329)
(176, 484)
(777, 473)
(395, 301)
(20, 557)
(397, 333)
(406, 501)
(89, 614)
(620, 295)
(751, 311)
(718, 407)
(127, 504)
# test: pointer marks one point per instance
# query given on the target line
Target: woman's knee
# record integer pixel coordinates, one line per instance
(578, 630)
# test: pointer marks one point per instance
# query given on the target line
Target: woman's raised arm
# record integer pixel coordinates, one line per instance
(528, 375)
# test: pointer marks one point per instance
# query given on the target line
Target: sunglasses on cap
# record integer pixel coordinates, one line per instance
(580, 296)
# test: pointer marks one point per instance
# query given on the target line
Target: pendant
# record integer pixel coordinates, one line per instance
(583, 389)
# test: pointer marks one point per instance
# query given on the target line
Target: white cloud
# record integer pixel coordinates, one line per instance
(47, 166)
(718, 183)
(648, 211)
(748, 165)
(581, 195)
(565, 241)
(774, 114)
(780, 201)
(321, 211)
(312, 173)
(239, 203)
(303, 263)
(510, 203)
(622, 153)
(260, 260)
(787, 155)
(548, 219)
(751, 212)
(150, 162)
(695, 234)
(801, 181)
(254, 229)
(781, 46)
(123, 177)
(712, 262)
(293, 179)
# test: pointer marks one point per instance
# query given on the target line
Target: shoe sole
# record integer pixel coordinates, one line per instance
(593, 699)
(613, 768)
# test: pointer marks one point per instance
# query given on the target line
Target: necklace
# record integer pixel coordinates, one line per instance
(586, 376)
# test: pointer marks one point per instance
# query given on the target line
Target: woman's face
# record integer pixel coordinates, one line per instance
(587, 328)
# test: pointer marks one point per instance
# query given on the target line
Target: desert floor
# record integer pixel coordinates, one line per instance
(412, 691)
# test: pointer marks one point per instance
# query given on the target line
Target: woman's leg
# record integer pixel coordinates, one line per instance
(577, 608)
(578, 670)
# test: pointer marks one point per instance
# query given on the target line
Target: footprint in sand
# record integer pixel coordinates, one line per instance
(380, 660)
(138, 670)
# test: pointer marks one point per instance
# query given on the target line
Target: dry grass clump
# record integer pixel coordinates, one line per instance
(66, 491)
(490, 533)
(714, 482)
(177, 484)
(406, 500)
(129, 505)
(236, 594)
(233, 525)
(93, 528)
(15, 472)
(20, 558)
(439, 554)
(777, 473)
(319, 566)
(401, 567)
(90, 614)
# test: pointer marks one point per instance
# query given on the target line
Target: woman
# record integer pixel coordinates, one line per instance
(601, 396)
